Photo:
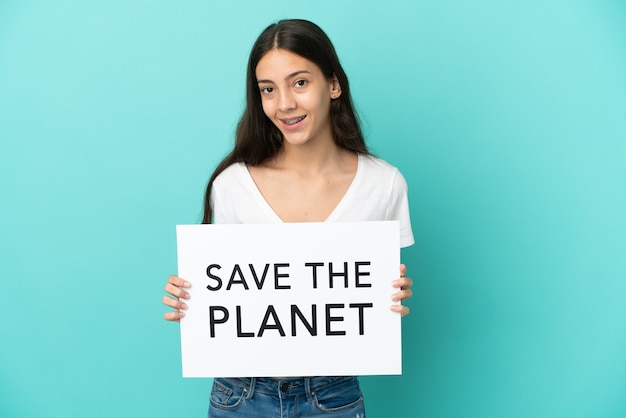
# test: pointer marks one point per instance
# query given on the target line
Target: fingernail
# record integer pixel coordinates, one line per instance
(187, 284)
(184, 306)
(182, 313)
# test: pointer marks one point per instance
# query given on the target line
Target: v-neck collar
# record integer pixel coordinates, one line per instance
(277, 219)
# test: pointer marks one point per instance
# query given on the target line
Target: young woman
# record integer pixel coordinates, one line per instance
(299, 156)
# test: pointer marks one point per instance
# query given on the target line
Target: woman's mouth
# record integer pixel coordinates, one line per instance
(293, 121)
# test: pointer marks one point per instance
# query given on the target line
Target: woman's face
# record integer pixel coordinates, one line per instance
(296, 96)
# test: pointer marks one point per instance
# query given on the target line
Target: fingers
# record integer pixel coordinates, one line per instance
(401, 309)
(174, 287)
(173, 316)
(404, 284)
(178, 282)
(401, 295)
(174, 303)
(405, 292)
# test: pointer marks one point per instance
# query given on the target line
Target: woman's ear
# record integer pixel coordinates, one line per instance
(335, 87)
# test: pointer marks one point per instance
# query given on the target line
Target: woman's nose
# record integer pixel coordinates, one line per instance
(286, 102)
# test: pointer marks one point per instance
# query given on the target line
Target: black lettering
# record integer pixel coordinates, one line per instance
(315, 266)
(213, 320)
(310, 326)
(358, 273)
(214, 277)
(259, 285)
(330, 318)
(242, 280)
(344, 274)
(239, 333)
(264, 325)
(279, 275)
(360, 307)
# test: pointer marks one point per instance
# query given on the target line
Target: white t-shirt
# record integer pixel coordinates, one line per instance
(378, 193)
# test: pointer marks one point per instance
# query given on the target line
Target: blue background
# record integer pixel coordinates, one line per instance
(508, 119)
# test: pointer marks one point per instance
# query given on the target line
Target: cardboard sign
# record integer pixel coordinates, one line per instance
(293, 299)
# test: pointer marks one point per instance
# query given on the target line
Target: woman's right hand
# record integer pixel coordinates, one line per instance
(175, 287)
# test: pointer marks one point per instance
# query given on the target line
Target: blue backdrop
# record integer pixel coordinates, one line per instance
(508, 119)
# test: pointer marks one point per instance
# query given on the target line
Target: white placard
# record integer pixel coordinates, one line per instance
(293, 299)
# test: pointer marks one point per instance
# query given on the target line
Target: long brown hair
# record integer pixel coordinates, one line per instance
(257, 139)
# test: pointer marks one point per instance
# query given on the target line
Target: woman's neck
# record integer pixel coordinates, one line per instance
(310, 158)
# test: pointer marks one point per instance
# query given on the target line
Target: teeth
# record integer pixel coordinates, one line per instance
(293, 121)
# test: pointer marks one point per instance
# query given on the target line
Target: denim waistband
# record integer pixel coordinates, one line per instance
(285, 387)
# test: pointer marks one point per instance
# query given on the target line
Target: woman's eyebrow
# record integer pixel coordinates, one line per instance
(292, 75)
(297, 73)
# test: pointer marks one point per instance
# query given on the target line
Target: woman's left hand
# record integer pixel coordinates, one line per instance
(404, 284)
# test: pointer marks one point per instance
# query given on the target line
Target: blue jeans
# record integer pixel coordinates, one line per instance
(258, 397)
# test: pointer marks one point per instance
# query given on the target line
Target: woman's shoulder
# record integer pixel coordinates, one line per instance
(376, 171)
(234, 173)
(372, 163)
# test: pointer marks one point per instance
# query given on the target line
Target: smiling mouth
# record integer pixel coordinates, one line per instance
(293, 121)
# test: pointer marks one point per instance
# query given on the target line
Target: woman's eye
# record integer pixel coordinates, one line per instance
(300, 83)
(267, 90)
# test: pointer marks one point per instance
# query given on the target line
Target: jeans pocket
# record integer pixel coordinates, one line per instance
(344, 394)
(226, 394)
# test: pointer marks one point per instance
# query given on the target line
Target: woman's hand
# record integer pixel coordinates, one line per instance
(175, 287)
(404, 284)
